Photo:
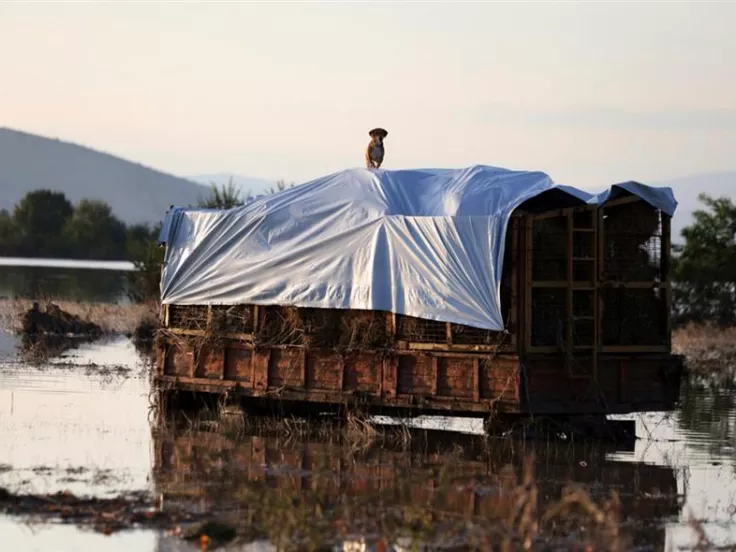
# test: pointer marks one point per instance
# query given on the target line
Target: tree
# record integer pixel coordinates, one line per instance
(8, 234)
(137, 239)
(705, 265)
(148, 257)
(94, 232)
(39, 220)
(225, 197)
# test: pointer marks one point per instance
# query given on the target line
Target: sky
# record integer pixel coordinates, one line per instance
(590, 92)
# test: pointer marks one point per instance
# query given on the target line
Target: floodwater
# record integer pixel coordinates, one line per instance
(83, 423)
(64, 279)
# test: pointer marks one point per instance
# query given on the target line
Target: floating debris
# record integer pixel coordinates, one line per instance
(57, 322)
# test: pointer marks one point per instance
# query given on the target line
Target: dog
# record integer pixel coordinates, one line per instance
(375, 151)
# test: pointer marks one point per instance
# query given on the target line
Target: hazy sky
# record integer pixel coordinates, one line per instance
(592, 93)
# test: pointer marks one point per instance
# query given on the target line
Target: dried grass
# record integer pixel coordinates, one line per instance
(710, 352)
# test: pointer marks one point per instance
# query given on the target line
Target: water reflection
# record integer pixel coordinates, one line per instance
(74, 284)
(447, 474)
(82, 423)
(79, 423)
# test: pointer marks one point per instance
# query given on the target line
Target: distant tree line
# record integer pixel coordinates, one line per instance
(46, 224)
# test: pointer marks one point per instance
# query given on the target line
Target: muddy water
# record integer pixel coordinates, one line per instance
(82, 424)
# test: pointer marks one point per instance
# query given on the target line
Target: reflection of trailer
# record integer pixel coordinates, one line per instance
(585, 291)
(431, 470)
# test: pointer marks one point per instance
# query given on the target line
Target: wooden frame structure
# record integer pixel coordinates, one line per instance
(586, 293)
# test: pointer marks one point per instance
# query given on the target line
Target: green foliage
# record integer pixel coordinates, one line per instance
(46, 224)
(228, 196)
(705, 266)
(94, 232)
(39, 219)
(148, 257)
(8, 234)
(225, 197)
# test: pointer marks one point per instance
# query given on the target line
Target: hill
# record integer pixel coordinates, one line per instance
(688, 188)
(137, 194)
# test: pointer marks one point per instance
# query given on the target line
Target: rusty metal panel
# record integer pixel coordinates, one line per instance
(179, 360)
(455, 377)
(239, 364)
(210, 363)
(415, 375)
(286, 368)
(390, 367)
(499, 378)
(261, 361)
(363, 372)
(324, 370)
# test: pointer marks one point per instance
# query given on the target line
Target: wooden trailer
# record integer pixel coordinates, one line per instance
(585, 291)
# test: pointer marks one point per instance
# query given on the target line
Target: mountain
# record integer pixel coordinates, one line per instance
(137, 194)
(687, 189)
(246, 185)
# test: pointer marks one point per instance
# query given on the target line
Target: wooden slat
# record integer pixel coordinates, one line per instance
(553, 213)
(388, 387)
(599, 276)
(634, 349)
(666, 276)
(623, 201)
(568, 298)
(528, 285)
(476, 380)
(514, 256)
(444, 347)
(596, 306)
(452, 405)
(256, 319)
(559, 284)
(201, 333)
(650, 284)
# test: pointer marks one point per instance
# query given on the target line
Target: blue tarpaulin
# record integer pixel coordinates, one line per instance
(427, 242)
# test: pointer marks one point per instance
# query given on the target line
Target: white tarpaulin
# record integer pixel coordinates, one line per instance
(425, 243)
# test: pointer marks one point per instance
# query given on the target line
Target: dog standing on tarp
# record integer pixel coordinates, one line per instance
(374, 152)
